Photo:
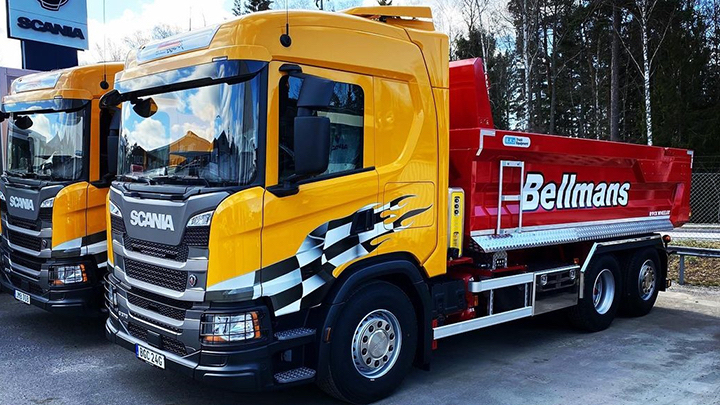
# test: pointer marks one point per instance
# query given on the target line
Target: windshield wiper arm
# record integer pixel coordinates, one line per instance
(22, 175)
(183, 180)
(136, 179)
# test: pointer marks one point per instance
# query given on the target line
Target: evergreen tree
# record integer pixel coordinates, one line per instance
(241, 7)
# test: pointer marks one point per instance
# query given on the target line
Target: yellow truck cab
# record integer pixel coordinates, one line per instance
(53, 191)
(235, 238)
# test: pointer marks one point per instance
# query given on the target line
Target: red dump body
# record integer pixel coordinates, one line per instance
(572, 189)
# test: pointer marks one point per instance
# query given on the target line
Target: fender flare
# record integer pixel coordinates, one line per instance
(378, 269)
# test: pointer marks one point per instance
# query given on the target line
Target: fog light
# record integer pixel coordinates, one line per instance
(64, 275)
(543, 280)
(225, 328)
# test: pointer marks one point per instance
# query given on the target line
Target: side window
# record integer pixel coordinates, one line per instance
(346, 114)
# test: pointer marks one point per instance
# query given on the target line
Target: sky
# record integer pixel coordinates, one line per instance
(125, 18)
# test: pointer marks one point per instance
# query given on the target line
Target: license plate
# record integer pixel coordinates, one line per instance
(149, 356)
(22, 297)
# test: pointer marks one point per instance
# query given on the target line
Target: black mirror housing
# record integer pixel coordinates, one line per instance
(315, 92)
(110, 99)
(311, 145)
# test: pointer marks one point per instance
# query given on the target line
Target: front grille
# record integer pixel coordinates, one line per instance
(20, 260)
(197, 236)
(162, 309)
(117, 224)
(156, 323)
(23, 223)
(33, 288)
(169, 344)
(46, 214)
(163, 277)
(26, 241)
(162, 251)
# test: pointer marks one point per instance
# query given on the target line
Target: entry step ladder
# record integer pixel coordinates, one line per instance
(503, 198)
(295, 375)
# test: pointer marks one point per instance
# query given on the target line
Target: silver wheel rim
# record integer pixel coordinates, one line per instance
(604, 291)
(646, 280)
(376, 344)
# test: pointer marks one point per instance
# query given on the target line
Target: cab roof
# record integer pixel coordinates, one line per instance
(79, 83)
(369, 40)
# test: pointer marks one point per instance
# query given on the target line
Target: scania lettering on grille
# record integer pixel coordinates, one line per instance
(22, 203)
(152, 220)
(571, 193)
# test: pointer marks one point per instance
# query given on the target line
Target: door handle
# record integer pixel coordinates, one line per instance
(363, 221)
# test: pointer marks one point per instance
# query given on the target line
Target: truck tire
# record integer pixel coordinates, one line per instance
(373, 345)
(641, 284)
(601, 295)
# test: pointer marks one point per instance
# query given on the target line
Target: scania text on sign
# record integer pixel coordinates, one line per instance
(57, 22)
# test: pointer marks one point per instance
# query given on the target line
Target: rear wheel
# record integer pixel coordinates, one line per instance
(642, 276)
(373, 345)
(601, 295)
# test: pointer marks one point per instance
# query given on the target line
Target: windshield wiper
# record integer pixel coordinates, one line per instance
(22, 175)
(183, 180)
(136, 179)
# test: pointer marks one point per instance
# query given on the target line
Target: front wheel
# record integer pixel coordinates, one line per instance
(601, 295)
(373, 345)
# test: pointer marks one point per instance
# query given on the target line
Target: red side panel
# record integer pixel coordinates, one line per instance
(469, 102)
(566, 180)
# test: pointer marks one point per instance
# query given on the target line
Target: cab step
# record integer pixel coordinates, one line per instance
(294, 333)
(295, 375)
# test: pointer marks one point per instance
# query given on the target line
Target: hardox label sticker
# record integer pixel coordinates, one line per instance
(572, 194)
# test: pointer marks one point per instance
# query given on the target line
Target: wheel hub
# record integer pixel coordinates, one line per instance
(376, 343)
(604, 291)
(646, 280)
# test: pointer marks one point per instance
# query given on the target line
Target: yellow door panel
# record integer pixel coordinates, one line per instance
(69, 222)
(96, 212)
(235, 240)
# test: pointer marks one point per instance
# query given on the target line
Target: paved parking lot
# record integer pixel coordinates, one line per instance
(672, 356)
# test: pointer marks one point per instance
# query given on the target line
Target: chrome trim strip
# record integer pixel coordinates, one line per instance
(190, 265)
(532, 239)
(500, 282)
(483, 322)
(25, 271)
(71, 244)
(95, 248)
(43, 254)
(155, 316)
(566, 225)
(44, 233)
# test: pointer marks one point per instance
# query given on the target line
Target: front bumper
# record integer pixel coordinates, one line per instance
(84, 299)
(246, 368)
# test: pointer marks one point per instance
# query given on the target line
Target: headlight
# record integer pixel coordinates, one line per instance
(48, 203)
(114, 210)
(224, 328)
(2, 196)
(201, 219)
(64, 275)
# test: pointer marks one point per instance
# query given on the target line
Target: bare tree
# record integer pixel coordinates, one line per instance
(615, 73)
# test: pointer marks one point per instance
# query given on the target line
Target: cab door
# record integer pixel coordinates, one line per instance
(310, 237)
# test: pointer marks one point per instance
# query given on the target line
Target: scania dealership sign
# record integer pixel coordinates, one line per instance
(58, 22)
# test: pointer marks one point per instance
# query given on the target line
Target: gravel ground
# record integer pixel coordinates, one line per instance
(671, 356)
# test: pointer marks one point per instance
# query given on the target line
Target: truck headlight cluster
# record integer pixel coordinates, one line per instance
(48, 203)
(114, 210)
(201, 219)
(64, 275)
(227, 328)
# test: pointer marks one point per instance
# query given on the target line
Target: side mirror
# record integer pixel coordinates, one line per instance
(315, 93)
(24, 122)
(111, 99)
(3, 116)
(145, 108)
(311, 145)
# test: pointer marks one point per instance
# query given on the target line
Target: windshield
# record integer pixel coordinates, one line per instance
(206, 135)
(47, 145)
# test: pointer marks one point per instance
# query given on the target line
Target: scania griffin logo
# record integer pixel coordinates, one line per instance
(52, 5)
(152, 220)
(22, 203)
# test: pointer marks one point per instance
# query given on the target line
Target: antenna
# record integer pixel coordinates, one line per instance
(285, 39)
(104, 83)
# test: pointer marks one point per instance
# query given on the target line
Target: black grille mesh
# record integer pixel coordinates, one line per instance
(24, 223)
(197, 236)
(177, 253)
(19, 259)
(162, 309)
(26, 241)
(117, 224)
(46, 214)
(160, 276)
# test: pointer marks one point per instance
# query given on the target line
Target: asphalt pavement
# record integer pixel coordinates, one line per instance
(671, 356)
